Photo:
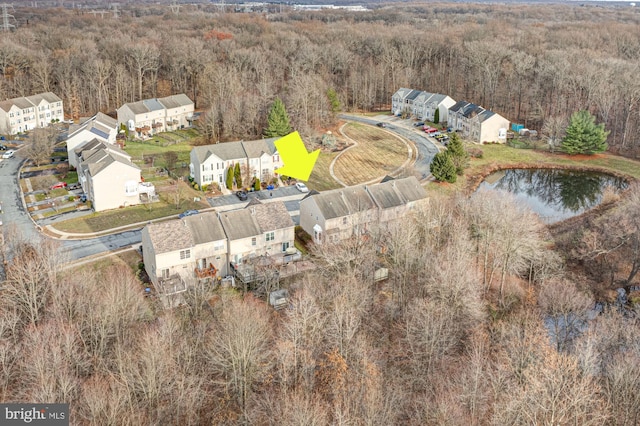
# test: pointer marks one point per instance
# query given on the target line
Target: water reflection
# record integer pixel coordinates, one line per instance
(553, 194)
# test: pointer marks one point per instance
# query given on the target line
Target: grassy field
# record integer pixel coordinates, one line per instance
(320, 178)
(378, 153)
(101, 221)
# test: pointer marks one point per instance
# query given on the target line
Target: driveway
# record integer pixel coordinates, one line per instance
(426, 147)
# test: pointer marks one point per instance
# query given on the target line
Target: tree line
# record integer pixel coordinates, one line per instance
(534, 65)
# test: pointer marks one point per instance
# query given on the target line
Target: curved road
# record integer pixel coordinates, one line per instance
(15, 214)
(426, 148)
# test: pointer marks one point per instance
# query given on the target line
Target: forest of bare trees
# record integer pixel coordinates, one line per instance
(534, 64)
(479, 323)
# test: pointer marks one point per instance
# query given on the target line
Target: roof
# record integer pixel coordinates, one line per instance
(47, 96)
(106, 121)
(175, 101)
(486, 114)
(458, 105)
(185, 233)
(181, 237)
(224, 151)
(472, 110)
(437, 98)
(205, 228)
(409, 189)
(423, 97)
(153, 105)
(343, 201)
(255, 149)
(397, 192)
(272, 216)
(402, 92)
(413, 94)
(102, 159)
(239, 224)
(137, 107)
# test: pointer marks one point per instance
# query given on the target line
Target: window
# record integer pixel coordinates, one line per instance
(253, 241)
(131, 187)
(270, 236)
(185, 254)
(285, 246)
(344, 220)
(164, 273)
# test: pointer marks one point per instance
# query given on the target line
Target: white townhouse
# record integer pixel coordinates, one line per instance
(179, 111)
(339, 214)
(180, 252)
(151, 116)
(476, 123)
(209, 163)
(26, 113)
(100, 127)
(426, 104)
(108, 177)
(403, 100)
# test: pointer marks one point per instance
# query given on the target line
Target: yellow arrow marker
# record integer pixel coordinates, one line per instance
(298, 163)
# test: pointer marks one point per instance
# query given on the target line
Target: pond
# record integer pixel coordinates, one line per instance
(554, 194)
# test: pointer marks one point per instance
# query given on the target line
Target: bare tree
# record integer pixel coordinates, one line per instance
(39, 147)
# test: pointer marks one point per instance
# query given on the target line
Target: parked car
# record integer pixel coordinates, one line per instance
(3, 148)
(187, 213)
(8, 154)
(242, 195)
(301, 187)
(58, 185)
(381, 124)
(418, 124)
(75, 186)
(83, 198)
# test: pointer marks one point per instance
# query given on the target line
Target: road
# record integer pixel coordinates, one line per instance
(14, 214)
(427, 148)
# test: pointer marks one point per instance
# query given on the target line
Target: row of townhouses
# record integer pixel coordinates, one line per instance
(27, 113)
(470, 120)
(179, 252)
(150, 116)
(209, 163)
(333, 216)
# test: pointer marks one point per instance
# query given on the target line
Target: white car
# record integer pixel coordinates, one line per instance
(301, 187)
(8, 154)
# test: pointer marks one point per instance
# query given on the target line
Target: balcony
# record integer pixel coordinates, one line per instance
(171, 285)
(207, 272)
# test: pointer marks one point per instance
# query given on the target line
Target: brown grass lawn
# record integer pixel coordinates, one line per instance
(101, 221)
(320, 178)
(378, 153)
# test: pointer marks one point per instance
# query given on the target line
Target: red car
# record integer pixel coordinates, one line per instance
(59, 185)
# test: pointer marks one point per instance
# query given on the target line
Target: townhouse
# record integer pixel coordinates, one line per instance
(333, 216)
(476, 123)
(100, 127)
(107, 176)
(210, 163)
(426, 104)
(150, 116)
(26, 113)
(208, 246)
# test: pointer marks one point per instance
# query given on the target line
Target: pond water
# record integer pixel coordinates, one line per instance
(554, 194)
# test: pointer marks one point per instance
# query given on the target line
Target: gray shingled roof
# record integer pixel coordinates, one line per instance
(50, 97)
(485, 115)
(224, 151)
(175, 101)
(255, 149)
(272, 216)
(101, 159)
(170, 235)
(239, 224)
(106, 121)
(137, 107)
(153, 104)
(385, 195)
(409, 189)
(205, 227)
(458, 105)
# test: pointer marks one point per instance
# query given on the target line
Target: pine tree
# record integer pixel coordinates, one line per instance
(237, 174)
(256, 185)
(277, 121)
(229, 181)
(584, 136)
(458, 154)
(442, 168)
(333, 101)
(436, 116)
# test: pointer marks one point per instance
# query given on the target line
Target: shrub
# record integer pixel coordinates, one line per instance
(475, 152)
(205, 188)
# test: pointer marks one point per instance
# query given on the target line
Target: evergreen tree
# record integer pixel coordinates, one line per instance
(334, 102)
(229, 181)
(442, 167)
(277, 121)
(584, 136)
(238, 175)
(256, 185)
(458, 154)
(436, 116)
